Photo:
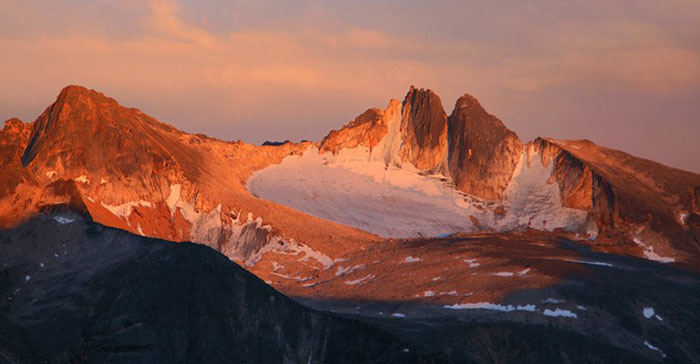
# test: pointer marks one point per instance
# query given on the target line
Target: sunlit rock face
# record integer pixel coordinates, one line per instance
(483, 153)
(423, 130)
(404, 171)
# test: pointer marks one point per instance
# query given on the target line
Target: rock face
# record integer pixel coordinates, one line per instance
(483, 153)
(472, 147)
(367, 130)
(423, 130)
(629, 198)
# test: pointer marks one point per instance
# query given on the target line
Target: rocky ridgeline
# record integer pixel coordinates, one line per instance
(136, 173)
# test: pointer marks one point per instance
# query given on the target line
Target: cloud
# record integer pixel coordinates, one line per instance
(164, 19)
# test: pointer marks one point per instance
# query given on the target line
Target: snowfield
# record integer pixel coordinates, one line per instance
(357, 187)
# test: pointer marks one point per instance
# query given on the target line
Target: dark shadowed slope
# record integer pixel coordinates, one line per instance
(74, 292)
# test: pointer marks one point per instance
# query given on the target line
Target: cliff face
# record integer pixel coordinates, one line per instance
(630, 199)
(483, 153)
(423, 130)
(367, 130)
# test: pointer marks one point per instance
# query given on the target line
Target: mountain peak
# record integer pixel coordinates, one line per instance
(423, 129)
(87, 130)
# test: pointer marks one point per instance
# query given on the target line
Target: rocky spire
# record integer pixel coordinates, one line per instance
(423, 130)
(482, 152)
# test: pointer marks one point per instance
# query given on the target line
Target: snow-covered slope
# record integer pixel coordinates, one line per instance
(355, 187)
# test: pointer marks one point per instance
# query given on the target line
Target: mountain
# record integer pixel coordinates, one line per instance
(404, 216)
(74, 291)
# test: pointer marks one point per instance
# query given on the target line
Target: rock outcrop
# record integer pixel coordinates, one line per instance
(483, 153)
(423, 130)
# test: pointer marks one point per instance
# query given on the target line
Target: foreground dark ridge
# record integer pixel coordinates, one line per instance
(75, 291)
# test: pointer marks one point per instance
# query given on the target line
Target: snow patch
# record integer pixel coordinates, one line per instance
(410, 259)
(346, 270)
(82, 179)
(364, 279)
(553, 300)
(50, 174)
(472, 263)
(398, 314)
(557, 312)
(529, 308)
(63, 220)
(650, 254)
(649, 312)
(512, 274)
(124, 210)
(450, 293)
(428, 293)
(603, 264)
(652, 347)
(491, 306)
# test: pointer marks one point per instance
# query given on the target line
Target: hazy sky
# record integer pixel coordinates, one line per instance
(625, 74)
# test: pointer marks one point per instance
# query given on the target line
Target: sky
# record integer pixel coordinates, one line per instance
(624, 74)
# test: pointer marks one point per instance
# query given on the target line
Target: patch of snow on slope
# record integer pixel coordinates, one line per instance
(472, 263)
(603, 264)
(652, 347)
(648, 313)
(63, 220)
(290, 247)
(553, 300)
(535, 201)
(428, 293)
(511, 274)
(450, 293)
(364, 279)
(124, 210)
(346, 270)
(491, 306)
(650, 254)
(239, 240)
(82, 179)
(357, 187)
(410, 259)
(557, 312)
